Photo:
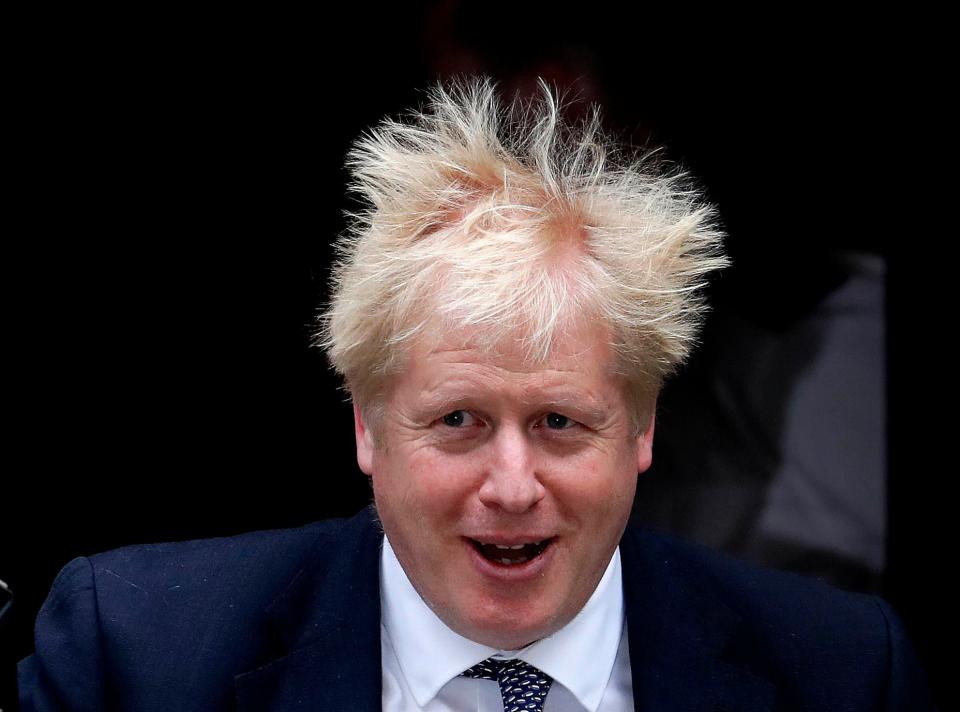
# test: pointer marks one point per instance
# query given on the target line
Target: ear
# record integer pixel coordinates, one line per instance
(645, 445)
(365, 443)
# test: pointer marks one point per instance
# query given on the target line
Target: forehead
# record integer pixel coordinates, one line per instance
(578, 366)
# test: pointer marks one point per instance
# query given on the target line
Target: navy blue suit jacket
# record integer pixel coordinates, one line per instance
(289, 620)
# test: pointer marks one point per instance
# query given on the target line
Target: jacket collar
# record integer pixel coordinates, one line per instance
(327, 622)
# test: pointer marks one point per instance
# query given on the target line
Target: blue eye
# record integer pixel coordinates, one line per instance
(455, 419)
(555, 421)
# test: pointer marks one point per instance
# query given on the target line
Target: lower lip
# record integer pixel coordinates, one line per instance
(511, 573)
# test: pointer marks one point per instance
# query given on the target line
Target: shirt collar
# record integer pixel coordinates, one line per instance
(580, 656)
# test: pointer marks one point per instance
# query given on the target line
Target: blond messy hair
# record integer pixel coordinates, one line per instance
(510, 223)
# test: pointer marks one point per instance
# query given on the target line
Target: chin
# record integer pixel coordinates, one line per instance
(500, 629)
(506, 639)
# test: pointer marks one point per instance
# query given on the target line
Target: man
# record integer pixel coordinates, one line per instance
(504, 314)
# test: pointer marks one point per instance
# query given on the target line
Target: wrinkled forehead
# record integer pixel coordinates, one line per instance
(457, 365)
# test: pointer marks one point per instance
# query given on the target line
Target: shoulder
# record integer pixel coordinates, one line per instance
(238, 576)
(747, 588)
(814, 641)
(147, 617)
(211, 564)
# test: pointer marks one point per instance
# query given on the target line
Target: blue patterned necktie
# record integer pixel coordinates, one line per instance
(522, 686)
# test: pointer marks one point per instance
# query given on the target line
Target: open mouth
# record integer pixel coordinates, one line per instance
(512, 555)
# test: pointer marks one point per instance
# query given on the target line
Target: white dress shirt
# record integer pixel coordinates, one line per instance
(422, 658)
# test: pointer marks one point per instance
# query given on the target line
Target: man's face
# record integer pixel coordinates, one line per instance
(504, 488)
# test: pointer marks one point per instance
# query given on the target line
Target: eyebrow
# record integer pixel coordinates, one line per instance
(586, 406)
(437, 402)
(440, 402)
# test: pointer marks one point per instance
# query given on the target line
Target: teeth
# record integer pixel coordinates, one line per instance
(515, 547)
(511, 554)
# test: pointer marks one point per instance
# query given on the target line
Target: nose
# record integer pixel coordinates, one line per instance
(511, 483)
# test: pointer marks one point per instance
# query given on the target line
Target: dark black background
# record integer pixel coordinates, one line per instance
(175, 182)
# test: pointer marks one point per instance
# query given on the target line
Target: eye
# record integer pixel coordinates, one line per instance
(457, 419)
(555, 421)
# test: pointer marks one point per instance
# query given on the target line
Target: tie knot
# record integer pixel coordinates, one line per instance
(522, 686)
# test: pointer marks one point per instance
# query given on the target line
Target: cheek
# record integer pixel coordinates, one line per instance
(598, 486)
(424, 482)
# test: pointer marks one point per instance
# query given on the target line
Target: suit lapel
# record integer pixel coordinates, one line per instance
(327, 623)
(679, 632)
